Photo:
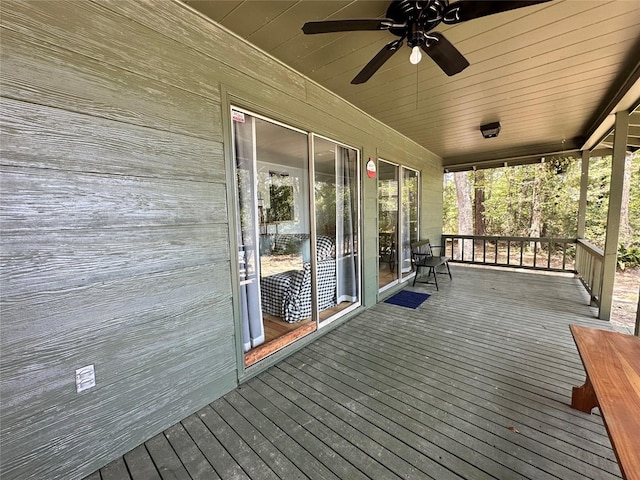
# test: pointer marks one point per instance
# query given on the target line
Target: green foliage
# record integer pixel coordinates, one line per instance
(325, 203)
(449, 205)
(628, 256)
(281, 200)
(634, 199)
(509, 199)
(598, 200)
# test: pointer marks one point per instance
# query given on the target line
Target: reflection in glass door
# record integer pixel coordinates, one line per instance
(397, 222)
(409, 218)
(387, 223)
(336, 213)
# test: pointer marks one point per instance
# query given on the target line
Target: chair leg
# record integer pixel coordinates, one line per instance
(448, 270)
(416, 276)
(435, 277)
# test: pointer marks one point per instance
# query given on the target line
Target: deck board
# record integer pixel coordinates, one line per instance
(190, 455)
(290, 460)
(141, 465)
(235, 444)
(116, 470)
(165, 459)
(467, 394)
(474, 384)
(304, 434)
(481, 422)
(415, 460)
(371, 449)
(221, 461)
(354, 456)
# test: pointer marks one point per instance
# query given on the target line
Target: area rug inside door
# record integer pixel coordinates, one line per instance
(407, 298)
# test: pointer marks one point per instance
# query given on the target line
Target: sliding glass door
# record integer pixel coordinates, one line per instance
(291, 277)
(397, 222)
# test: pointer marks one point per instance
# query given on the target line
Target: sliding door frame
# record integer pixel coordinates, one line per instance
(234, 224)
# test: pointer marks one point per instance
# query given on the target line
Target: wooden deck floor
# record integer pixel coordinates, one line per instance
(474, 384)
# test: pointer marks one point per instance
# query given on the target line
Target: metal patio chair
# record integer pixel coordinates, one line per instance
(422, 257)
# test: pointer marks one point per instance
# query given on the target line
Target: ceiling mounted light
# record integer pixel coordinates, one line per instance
(490, 130)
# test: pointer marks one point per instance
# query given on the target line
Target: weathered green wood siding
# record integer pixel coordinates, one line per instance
(115, 231)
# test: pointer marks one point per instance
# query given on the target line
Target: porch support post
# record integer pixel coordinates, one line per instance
(584, 185)
(613, 216)
(636, 332)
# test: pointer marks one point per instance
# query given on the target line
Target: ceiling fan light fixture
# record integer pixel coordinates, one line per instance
(490, 130)
(415, 21)
(415, 56)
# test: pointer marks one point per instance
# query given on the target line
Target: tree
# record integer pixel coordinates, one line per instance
(535, 226)
(480, 227)
(449, 205)
(541, 200)
(598, 200)
(626, 232)
(465, 222)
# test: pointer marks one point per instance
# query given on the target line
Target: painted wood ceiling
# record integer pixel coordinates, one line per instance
(551, 73)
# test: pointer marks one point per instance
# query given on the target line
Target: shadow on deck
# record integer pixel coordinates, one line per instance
(473, 384)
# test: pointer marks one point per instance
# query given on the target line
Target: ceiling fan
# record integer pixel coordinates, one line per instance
(413, 20)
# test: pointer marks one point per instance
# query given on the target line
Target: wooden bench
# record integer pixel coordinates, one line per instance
(612, 363)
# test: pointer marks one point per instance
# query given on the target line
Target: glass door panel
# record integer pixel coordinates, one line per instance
(397, 222)
(336, 214)
(409, 230)
(273, 206)
(388, 184)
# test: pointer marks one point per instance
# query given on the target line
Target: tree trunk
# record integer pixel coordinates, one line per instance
(479, 224)
(536, 207)
(465, 214)
(625, 227)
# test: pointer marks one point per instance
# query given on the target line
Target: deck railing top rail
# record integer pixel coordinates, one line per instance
(591, 248)
(539, 253)
(492, 238)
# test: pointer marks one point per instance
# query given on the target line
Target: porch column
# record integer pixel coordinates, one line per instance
(636, 332)
(613, 216)
(584, 185)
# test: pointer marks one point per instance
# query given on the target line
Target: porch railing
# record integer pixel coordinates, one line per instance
(589, 267)
(550, 254)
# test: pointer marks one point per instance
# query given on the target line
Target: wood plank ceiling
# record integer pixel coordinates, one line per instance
(551, 74)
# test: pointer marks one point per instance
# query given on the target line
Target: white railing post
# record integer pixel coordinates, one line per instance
(637, 329)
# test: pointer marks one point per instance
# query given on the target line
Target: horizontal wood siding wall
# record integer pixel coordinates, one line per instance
(115, 223)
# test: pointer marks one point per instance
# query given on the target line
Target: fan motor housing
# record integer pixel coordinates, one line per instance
(422, 15)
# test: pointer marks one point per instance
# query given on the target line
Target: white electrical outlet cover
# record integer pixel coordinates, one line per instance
(85, 378)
